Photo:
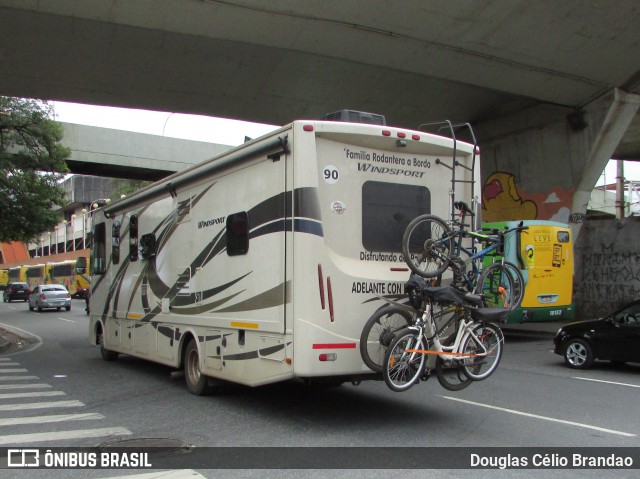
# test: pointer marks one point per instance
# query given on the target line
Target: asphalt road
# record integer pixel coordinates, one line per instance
(79, 400)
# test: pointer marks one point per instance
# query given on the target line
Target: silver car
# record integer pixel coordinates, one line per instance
(50, 296)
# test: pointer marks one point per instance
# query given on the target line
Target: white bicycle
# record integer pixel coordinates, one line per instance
(473, 355)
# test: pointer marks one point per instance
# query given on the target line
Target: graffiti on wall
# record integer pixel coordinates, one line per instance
(502, 200)
(609, 278)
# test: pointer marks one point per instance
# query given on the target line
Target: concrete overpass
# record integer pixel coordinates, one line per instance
(550, 87)
(124, 154)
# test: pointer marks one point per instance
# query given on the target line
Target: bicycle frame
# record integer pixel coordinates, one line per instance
(472, 256)
(446, 352)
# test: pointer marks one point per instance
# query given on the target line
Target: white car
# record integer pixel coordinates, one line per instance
(50, 296)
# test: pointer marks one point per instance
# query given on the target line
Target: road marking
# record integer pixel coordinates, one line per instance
(607, 382)
(24, 386)
(40, 405)
(544, 418)
(68, 320)
(16, 421)
(9, 364)
(31, 395)
(2, 360)
(20, 370)
(61, 435)
(17, 378)
(176, 474)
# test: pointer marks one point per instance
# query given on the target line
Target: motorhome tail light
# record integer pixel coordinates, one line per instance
(415, 137)
(330, 294)
(386, 133)
(328, 357)
(402, 134)
(307, 127)
(321, 286)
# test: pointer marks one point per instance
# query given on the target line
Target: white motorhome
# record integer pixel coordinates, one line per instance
(264, 263)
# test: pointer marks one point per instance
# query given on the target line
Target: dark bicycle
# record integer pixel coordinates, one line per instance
(430, 246)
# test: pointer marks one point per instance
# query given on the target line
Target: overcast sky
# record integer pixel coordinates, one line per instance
(210, 129)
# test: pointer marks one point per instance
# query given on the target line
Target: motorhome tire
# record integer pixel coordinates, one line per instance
(197, 383)
(105, 353)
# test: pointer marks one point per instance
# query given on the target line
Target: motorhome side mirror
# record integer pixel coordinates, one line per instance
(148, 246)
(81, 265)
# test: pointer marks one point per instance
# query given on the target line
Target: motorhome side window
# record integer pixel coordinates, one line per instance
(387, 209)
(133, 238)
(99, 249)
(237, 234)
(115, 242)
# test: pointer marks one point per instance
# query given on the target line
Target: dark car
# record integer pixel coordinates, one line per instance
(614, 338)
(15, 291)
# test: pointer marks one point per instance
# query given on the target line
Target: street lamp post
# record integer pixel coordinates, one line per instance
(73, 230)
(84, 224)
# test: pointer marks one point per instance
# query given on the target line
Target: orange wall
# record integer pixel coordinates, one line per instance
(14, 252)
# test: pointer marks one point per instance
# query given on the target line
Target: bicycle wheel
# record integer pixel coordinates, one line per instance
(482, 364)
(427, 246)
(402, 369)
(449, 371)
(450, 374)
(379, 331)
(502, 285)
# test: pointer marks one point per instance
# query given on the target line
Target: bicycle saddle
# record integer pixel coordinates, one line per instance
(418, 289)
(490, 314)
(462, 206)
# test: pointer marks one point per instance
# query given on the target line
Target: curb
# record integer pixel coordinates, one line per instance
(4, 343)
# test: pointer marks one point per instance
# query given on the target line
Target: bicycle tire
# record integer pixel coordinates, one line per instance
(451, 375)
(449, 371)
(401, 369)
(502, 286)
(427, 246)
(478, 368)
(379, 331)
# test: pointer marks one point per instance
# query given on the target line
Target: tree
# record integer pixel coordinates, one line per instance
(32, 165)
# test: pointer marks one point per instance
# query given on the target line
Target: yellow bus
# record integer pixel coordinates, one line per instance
(65, 273)
(544, 254)
(4, 278)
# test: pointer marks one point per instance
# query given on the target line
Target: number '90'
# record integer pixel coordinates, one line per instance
(331, 174)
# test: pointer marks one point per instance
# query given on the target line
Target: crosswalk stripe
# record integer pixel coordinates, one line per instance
(31, 394)
(40, 405)
(24, 386)
(5, 359)
(16, 421)
(60, 435)
(17, 378)
(8, 364)
(16, 370)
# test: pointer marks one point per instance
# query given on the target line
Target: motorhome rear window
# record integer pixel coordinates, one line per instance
(387, 209)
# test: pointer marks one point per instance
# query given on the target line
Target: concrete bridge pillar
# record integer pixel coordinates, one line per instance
(542, 161)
